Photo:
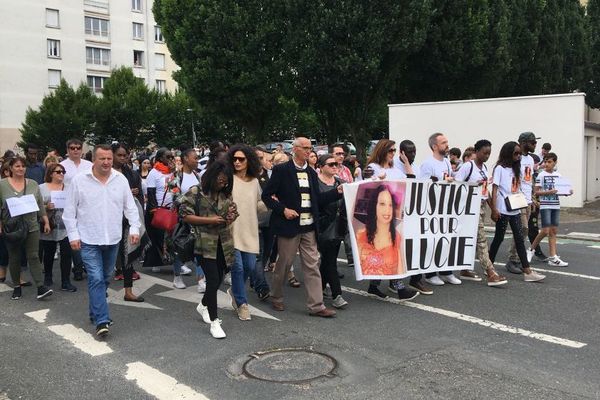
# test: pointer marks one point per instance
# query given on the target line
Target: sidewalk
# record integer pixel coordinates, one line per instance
(575, 223)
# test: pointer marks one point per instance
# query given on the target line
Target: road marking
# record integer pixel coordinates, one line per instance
(159, 385)
(594, 278)
(191, 295)
(39, 316)
(342, 260)
(5, 288)
(81, 339)
(477, 321)
(594, 247)
(585, 234)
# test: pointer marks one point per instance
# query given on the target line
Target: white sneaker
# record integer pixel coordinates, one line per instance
(185, 270)
(533, 277)
(557, 262)
(227, 279)
(435, 281)
(202, 286)
(339, 302)
(178, 283)
(451, 279)
(203, 311)
(530, 254)
(156, 269)
(215, 329)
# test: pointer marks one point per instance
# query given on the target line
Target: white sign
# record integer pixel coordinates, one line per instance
(563, 185)
(22, 205)
(58, 198)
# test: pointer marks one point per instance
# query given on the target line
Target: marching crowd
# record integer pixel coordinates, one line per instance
(240, 214)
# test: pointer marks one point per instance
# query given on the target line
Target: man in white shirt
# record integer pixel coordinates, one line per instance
(74, 165)
(96, 203)
(410, 151)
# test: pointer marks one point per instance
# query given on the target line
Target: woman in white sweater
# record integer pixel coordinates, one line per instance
(246, 195)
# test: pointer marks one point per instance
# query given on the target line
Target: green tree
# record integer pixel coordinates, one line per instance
(126, 110)
(64, 114)
(593, 23)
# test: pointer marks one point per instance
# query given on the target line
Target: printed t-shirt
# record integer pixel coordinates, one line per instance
(477, 175)
(504, 178)
(546, 180)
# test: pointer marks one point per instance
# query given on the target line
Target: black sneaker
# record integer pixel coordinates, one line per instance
(406, 294)
(78, 276)
(374, 290)
(102, 330)
(43, 291)
(513, 267)
(68, 287)
(16, 293)
(264, 295)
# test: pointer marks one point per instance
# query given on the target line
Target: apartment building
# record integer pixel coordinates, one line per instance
(78, 40)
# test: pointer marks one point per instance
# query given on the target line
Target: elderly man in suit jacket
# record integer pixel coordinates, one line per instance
(293, 195)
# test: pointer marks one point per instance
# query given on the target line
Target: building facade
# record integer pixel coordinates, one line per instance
(78, 40)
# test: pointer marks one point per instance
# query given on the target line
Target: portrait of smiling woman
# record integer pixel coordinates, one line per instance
(379, 241)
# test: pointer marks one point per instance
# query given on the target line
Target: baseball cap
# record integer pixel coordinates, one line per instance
(527, 136)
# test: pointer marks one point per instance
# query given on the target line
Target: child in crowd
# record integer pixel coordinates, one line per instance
(549, 209)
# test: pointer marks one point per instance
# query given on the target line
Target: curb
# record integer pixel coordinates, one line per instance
(593, 237)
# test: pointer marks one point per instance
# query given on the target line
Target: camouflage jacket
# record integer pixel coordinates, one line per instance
(207, 236)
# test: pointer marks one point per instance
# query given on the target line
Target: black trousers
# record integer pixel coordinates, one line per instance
(268, 242)
(121, 267)
(515, 226)
(329, 273)
(48, 249)
(533, 229)
(214, 270)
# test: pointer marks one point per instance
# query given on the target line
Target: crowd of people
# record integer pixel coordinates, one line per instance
(247, 213)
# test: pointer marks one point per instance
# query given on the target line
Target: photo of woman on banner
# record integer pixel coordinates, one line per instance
(377, 215)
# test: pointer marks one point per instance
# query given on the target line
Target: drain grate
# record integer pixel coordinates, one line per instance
(296, 366)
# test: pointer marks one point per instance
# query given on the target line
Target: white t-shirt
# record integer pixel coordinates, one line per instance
(390, 173)
(71, 169)
(504, 179)
(433, 167)
(400, 165)
(477, 175)
(158, 180)
(527, 165)
(188, 181)
(545, 181)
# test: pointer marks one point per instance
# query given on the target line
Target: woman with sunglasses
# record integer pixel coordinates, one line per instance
(54, 182)
(246, 195)
(329, 249)
(210, 209)
(382, 164)
(506, 181)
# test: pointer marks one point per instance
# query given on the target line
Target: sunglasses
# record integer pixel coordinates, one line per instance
(391, 150)
(60, 171)
(239, 159)
(332, 164)
(74, 147)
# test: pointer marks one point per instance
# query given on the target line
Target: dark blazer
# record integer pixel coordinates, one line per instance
(284, 185)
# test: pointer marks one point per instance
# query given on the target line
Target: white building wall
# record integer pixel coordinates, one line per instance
(558, 119)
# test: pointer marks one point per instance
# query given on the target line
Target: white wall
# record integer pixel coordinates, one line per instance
(558, 119)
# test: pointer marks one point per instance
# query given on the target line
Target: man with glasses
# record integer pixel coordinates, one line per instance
(74, 164)
(293, 195)
(339, 152)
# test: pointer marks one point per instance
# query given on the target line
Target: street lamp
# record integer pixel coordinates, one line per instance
(191, 111)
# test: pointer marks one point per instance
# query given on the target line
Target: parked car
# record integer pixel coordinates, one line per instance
(287, 147)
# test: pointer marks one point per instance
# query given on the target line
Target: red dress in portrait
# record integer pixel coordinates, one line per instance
(377, 262)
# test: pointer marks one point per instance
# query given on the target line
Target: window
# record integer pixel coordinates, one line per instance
(138, 31)
(53, 78)
(97, 56)
(96, 83)
(138, 58)
(158, 37)
(159, 61)
(96, 26)
(136, 5)
(52, 20)
(53, 48)
(160, 85)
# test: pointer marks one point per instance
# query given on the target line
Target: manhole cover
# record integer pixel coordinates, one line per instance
(289, 366)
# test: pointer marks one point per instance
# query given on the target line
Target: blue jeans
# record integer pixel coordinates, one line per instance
(244, 268)
(99, 261)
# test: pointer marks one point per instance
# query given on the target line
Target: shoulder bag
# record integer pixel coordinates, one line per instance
(184, 237)
(515, 201)
(164, 217)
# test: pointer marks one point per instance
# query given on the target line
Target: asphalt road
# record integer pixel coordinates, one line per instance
(521, 341)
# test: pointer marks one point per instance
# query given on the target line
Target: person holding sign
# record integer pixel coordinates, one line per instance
(20, 199)
(506, 179)
(545, 187)
(475, 171)
(53, 194)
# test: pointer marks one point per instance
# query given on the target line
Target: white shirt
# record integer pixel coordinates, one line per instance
(433, 167)
(187, 181)
(158, 181)
(71, 169)
(390, 173)
(477, 175)
(400, 165)
(94, 211)
(527, 165)
(504, 178)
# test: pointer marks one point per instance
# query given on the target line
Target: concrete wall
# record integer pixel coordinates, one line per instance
(558, 119)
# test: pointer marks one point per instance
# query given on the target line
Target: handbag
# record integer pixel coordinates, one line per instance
(184, 237)
(515, 201)
(163, 217)
(338, 227)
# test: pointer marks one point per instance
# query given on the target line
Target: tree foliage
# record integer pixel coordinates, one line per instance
(593, 85)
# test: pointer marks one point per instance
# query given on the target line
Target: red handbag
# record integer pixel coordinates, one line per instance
(164, 218)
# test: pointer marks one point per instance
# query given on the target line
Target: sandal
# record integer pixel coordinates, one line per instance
(270, 267)
(294, 282)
